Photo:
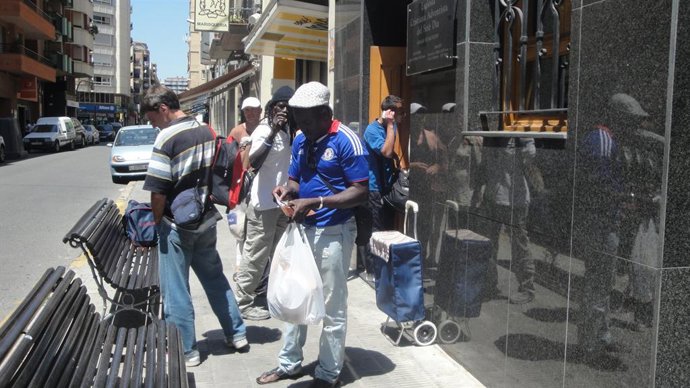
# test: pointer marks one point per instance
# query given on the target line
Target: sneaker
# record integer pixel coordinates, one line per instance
(522, 297)
(242, 345)
(192, 358)
(255, 313)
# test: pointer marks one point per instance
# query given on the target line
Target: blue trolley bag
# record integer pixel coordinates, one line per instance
(399, 291)
(399, 287)
(462, 269)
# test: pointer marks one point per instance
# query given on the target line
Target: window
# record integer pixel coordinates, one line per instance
(531, 67)
(103, 60)
(100, 19)
(102, 81)
(103, 40)
(109, 2)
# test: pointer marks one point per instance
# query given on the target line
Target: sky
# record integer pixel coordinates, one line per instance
(162, 25)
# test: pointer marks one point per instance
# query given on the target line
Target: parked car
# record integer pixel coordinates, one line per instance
(92, 135)
(80, 132)
(131, 152)
(2, 149)
(51, 133)
(106, 132)
(116, 126)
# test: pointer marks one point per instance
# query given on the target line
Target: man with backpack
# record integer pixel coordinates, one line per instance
(269, 157)
(180, 162)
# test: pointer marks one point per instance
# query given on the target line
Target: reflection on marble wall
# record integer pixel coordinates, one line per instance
(543, 258)
(568, 296)
(348, 81)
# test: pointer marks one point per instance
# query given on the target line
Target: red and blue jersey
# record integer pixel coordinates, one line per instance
(340, 158)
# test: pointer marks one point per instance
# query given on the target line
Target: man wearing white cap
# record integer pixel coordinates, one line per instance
(600, 172)
(328, 175)
(251, 112)
(251, 115)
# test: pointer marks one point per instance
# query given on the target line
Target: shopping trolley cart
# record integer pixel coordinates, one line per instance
(461, 276)
(399, 289)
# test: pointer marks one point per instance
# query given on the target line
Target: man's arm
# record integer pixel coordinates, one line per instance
(158, 206)
(356, 194)
(389, 143)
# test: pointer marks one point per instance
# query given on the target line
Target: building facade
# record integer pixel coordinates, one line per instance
(142, 76)
(177, 84)
(45, 54)
(108, 98)
(555, 135)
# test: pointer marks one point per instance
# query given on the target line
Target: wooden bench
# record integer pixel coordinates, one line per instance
(132, 271)
(55, 338)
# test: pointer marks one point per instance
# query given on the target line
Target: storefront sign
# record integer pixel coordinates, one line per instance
(96, 108)
(212, 15)
(430, 35)
(28, 90)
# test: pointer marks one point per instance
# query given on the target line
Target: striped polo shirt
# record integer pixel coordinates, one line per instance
(181, 158)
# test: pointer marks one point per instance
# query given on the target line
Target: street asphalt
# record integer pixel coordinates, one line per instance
(370, 359)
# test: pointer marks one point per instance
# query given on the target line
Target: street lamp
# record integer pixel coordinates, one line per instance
(90, 90)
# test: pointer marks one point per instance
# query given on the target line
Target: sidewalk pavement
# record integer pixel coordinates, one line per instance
(370, 359)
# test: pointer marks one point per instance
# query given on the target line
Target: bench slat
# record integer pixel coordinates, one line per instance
(85, 339)
(70, 349)
(104, 362)
(19, 318)
(77, 232)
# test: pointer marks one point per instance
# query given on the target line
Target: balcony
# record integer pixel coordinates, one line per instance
(61, 62)
(82, 37)
(82, 69)
(16, 59)
(24, 14)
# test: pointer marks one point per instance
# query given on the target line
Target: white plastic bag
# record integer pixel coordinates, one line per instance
(237, 221)
(295, 290)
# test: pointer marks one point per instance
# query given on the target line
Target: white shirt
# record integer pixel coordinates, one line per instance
(274, 170)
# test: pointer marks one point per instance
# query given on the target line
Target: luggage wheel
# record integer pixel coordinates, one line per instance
(449, 332)
(425, 333)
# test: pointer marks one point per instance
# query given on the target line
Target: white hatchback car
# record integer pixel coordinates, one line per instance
(131, 152)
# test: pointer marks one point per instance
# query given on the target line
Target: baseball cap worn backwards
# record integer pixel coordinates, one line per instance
(310, 95)
(251, 102)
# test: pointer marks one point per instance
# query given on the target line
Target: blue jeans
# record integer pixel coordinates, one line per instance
(332, 247)
(178, 249)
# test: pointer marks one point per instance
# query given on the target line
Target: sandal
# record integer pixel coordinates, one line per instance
(276, 374)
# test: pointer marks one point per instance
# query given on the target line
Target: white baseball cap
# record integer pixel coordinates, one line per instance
(251, 102)
(310, 95)
(627, 104)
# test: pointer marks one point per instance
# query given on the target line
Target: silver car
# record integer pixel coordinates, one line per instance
(131, 152)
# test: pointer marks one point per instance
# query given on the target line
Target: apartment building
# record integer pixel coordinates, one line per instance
(177, 84)
(45, 49)
(108, 96)
(142, 76)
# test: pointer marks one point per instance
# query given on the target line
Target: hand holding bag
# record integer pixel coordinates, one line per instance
(295, 290)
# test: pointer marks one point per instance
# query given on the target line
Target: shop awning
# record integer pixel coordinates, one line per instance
(201, 93)
(290, 29)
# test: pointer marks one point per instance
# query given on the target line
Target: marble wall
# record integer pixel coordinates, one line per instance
(594, 226)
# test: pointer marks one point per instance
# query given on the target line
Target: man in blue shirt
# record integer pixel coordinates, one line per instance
(328, 175)
(379, 138)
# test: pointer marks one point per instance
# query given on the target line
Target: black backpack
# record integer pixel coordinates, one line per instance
(226, 170)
